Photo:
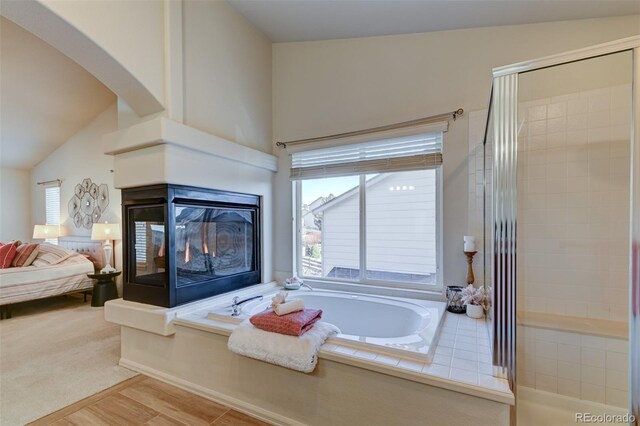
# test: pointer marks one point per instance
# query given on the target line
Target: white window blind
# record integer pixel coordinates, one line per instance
(141, 242)
(52, 208)
(413, 152)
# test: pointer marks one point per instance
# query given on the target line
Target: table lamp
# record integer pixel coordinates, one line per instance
(45, 232)
(106, 232)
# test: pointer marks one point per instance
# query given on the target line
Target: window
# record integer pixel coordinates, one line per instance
(377, 227)
(52, 208)
(140, 247)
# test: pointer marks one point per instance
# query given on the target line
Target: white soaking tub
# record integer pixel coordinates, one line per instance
(407, 328)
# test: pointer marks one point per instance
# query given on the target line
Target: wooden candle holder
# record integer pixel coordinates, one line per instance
(470, 277)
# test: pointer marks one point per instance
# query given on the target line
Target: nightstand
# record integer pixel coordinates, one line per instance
(104, 287)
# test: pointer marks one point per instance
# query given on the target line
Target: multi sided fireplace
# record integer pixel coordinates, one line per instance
(184, 243)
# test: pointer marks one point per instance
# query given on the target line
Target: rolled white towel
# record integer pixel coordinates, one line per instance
(288, 307)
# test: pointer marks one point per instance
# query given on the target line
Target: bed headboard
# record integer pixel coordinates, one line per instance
(84, 245)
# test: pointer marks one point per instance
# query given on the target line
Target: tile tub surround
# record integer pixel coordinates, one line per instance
(462, 360)
(464, 347)
(198, 360)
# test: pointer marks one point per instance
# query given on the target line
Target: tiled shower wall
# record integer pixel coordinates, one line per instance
(573, 204)
(573, 240)
(593, 368)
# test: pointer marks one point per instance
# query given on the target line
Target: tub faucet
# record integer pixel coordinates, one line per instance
(236, 302)
(306, 285)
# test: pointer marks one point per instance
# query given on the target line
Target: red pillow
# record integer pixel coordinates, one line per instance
(7, 253)
(25, 255)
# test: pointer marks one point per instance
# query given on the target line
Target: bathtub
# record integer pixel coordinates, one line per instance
(408, 328)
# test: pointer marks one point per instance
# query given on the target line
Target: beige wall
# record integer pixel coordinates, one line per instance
(130, 31)
(339, 85)
(82, 156)
(227, 75)
(15, 223)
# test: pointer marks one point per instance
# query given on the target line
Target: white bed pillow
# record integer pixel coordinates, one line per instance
(49, 254)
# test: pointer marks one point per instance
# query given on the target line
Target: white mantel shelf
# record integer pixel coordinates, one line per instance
(162, 131)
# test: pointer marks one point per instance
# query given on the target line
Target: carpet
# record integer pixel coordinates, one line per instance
(53, 353)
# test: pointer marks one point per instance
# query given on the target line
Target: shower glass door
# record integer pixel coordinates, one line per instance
(573, 239)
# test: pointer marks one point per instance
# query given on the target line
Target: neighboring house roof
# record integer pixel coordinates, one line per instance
(317, 202)
(350, 193)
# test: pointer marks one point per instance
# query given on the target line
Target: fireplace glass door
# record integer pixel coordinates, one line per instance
(212, 242)
(147, 224)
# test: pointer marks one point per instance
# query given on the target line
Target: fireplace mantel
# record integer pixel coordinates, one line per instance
(163, 131)
(164, 152)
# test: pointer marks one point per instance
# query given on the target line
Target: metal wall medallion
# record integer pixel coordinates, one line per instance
(88, 203)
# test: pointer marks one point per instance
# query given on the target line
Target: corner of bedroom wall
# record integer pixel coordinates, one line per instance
(81, 156)
(15, 204)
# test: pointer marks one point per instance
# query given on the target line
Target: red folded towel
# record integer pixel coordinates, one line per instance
(293, 324)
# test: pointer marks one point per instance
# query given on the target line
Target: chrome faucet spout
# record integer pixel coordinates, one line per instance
(307, 286)
(236, 302)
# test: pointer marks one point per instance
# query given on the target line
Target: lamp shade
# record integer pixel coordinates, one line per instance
(42, 232)
(105, 231)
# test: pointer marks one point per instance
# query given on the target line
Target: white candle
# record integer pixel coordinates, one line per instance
(469, 243)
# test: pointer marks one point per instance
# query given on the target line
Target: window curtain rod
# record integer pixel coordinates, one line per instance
(47, 182)
(418, 121)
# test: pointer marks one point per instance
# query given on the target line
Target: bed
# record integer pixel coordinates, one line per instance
(38, 282)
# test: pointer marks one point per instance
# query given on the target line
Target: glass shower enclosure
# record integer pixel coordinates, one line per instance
(563, 159)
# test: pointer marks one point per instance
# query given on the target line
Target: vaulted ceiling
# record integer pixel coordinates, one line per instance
(306, 20)
(45, 97)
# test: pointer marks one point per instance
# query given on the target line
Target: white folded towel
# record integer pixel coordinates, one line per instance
(288, 307)
(295, 352)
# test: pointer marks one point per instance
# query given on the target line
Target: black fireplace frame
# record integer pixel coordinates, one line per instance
(169, 294)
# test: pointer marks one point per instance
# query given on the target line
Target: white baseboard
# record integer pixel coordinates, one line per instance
(236, 404)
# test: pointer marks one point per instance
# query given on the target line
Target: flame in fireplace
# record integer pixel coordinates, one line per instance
(187, 254)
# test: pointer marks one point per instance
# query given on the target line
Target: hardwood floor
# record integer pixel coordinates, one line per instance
(142, 400)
